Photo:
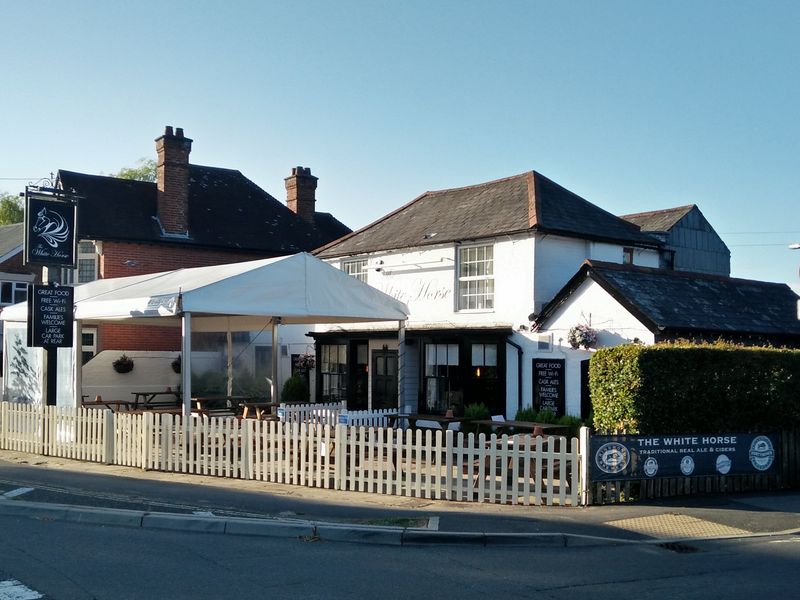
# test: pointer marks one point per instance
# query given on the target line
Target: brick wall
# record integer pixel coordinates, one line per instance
(122, 259)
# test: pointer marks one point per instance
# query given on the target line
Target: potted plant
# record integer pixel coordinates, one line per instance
(582, 336)
(176, 364)
(124, 364)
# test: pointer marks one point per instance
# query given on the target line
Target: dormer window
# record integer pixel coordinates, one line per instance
(627, 256)
(476, 278)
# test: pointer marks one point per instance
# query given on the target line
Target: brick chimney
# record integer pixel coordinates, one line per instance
(301, 187)
(172, 176)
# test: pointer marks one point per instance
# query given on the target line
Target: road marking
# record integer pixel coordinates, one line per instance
(17, 492)
(203, 513)
(12, 589)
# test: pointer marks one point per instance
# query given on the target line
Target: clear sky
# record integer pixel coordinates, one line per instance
(634, 105)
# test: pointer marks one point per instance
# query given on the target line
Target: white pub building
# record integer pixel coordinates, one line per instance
(476, 266)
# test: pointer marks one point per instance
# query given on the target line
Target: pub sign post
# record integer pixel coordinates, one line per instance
(51, 241)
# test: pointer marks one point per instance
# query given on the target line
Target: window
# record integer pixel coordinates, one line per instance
(476, 278)
(87, 262)
(484, 360)
(356, 268)
(12, 292)
(627, 256)
(88, 344)
(442, 382)
(333, 371)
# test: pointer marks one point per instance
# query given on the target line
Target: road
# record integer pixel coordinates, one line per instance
(69, 561)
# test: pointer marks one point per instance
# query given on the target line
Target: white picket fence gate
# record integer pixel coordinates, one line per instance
(444, 465)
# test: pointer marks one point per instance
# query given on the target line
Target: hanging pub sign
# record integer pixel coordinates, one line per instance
(548, 385)
(50, 316)
(687, 455)
(49, 229)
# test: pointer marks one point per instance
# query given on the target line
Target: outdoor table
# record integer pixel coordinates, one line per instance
(504, 426)
(259, 409)
(412, 419)
(145, 399)
(113, 405)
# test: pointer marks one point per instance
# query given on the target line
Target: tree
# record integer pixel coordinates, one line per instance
(145, 170)
(11, 210)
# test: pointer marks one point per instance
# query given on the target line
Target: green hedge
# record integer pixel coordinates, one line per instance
(694, 388)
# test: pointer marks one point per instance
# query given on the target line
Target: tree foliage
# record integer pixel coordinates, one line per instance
(145, 170)
(11, 210)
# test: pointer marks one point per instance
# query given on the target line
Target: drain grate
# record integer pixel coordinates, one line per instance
(679, 547)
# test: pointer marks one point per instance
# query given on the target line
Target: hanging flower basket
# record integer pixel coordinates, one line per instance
(305, 362)
(124, 364)
(582, 336)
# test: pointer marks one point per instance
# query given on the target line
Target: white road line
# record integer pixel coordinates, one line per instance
(203, 513)
(17, 492)
(11, 589)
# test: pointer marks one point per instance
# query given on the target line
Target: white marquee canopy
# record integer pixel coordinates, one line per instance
(296, 289)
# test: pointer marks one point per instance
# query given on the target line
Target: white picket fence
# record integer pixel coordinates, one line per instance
(419, 463)
(80, 434)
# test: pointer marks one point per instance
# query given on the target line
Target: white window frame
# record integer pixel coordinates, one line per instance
(85, 255)
(18, 288)
(484, 299)
(357, 268)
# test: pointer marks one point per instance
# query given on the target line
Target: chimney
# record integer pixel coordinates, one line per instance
(301, 187)
(172, 176)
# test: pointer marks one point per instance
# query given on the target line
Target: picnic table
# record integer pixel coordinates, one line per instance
(224, 405)
(150, 399)
(261, 410)
(507, 426)
(413, 418)
(113, 405)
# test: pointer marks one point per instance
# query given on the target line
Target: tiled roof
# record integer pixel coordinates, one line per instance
(526, 202)
(680, 301)
(11, 237)
(659, 220)
(226, 210)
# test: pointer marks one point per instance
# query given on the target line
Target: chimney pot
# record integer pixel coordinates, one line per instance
(168, 130)
(179, 132)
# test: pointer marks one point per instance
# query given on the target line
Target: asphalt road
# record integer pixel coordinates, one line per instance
(69, 561)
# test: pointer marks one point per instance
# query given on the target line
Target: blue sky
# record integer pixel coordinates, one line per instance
(633, 105)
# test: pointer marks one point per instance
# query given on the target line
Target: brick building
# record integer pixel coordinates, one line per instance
(191, 216)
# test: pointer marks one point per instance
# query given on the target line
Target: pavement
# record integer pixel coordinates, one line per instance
(42, 487)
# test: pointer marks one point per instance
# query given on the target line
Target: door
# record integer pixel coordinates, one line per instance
(384, 379)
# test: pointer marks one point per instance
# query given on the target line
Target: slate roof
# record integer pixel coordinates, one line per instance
(11, 237)
(526, 202)
(226, 210)
(659, 220)
(682, 302)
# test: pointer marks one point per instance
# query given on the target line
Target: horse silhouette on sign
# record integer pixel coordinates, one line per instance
(51, 227)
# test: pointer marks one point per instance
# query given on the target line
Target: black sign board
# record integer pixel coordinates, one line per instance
(49, 230)
(548, 385)
(50, 316)
(652, 456)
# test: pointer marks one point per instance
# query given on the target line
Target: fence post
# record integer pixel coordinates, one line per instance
(109, 435)
(583, 457)
(148, 434)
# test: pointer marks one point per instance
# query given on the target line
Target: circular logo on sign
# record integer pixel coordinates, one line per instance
(687, 465)
(723, 464)
(650, 466)
(762, 453)
(612, 457)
